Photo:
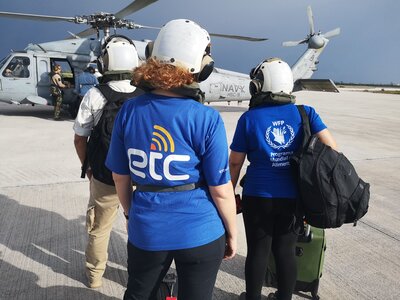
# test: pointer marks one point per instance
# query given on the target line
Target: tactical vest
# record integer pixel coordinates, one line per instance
(100, 137)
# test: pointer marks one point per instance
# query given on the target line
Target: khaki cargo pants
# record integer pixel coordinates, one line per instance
(101, 213)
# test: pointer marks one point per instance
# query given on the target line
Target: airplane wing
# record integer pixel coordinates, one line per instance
(322, 85)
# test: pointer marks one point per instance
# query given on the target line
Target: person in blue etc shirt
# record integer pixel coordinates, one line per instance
(268, 134)
(174, 149)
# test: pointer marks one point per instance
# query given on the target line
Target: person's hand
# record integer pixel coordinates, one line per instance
(238, 204)
(89, 173)
(230, 247)
(126, 221)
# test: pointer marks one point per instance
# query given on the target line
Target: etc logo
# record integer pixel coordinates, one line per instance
(161, 143)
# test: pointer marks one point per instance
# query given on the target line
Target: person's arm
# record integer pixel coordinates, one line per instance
(224, 199)
(80, 143)
(236, 160)
(57, 81)
(123, 185)
(326, 137)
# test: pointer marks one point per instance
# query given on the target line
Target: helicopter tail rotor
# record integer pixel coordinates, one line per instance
(294, 43)
(310, 20)
(313, 40)
(332, 33)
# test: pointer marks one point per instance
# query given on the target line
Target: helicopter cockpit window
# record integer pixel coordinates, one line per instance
(18, 67)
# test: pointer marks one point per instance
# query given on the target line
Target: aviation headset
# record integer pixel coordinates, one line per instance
(207, 63)
(257, 77)
(101, 64)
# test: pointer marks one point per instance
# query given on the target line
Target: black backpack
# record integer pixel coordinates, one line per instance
(100, 137)
(331, 193)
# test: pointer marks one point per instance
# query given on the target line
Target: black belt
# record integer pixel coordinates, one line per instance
(164, 189)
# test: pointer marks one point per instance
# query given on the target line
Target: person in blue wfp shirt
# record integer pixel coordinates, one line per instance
(268, 134)
(175, 151)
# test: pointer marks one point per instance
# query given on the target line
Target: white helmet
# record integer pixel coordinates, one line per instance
(118, 55)
(272, 75)
(184, 43)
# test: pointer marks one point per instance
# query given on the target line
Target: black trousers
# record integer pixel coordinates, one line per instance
(197, 270)
(269, 228)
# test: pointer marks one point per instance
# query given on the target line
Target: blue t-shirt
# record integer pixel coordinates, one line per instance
(269, 135)
(168, 142)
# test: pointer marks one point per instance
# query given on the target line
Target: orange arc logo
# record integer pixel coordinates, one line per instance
(161, 138)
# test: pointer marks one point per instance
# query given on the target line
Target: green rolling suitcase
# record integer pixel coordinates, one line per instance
(310, 253)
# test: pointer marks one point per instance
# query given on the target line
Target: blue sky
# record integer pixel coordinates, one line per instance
(367, 50)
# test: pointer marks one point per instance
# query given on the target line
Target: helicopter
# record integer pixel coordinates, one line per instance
(24, 75)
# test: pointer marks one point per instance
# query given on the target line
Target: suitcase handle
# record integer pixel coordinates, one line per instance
(306, 237)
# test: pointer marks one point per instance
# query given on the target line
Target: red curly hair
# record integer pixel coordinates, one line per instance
(160, 75)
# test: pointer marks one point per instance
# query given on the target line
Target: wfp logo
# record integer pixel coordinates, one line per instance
(161, 144)
(279, 135)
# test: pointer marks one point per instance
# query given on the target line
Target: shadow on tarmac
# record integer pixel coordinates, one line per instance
(47, 238)
(25, 286)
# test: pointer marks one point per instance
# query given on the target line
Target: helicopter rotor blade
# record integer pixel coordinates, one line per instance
(332, 33)
(73, 35)
(133, 7)
(86, 32)
(238, 37)
(36, 17)
(294, 43)
(133, 25)
(310, 20)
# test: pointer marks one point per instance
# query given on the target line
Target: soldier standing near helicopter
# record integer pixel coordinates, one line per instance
(57, 85)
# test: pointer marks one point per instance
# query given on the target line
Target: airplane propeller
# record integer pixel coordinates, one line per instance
(105, 21)
(313, 40)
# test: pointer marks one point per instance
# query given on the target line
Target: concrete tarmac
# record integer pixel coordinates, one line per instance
(43, 203)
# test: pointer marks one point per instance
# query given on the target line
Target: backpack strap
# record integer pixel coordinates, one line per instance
(299, 212)
(306, 124)
(113, 96)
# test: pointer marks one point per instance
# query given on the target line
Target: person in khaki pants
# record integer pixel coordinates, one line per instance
(96, 112)
(101, 213)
